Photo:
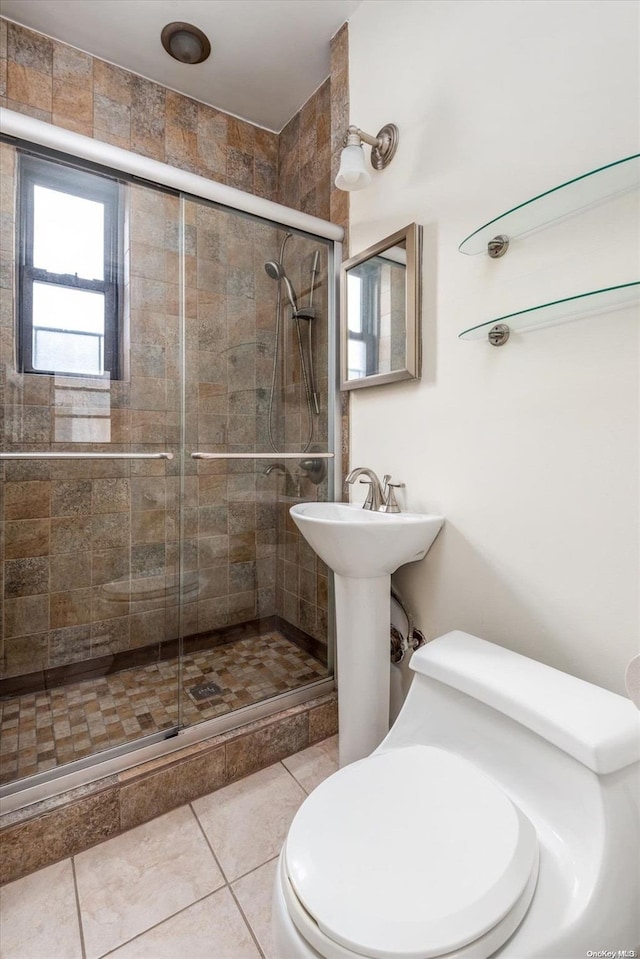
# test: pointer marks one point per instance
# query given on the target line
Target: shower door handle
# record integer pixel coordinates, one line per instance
(86, 456)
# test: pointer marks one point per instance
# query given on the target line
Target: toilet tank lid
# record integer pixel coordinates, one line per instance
(597, 727)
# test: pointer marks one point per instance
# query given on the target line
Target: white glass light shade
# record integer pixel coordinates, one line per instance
(353, 174)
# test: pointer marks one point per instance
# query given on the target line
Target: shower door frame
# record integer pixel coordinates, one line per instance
(20, 130)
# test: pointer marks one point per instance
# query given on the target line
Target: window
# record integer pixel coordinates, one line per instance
(363, 311)
(70, 270)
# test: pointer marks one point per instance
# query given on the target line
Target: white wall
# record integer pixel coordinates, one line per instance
(530, 450)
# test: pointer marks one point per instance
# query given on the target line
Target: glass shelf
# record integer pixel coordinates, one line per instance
(558, 311)
(577, 194)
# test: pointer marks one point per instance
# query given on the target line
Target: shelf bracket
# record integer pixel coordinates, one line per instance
(499, 334)
(498, 246)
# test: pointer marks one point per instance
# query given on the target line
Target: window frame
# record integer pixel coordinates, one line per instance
(35, 170)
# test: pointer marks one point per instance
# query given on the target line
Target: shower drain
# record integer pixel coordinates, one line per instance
(205, 691)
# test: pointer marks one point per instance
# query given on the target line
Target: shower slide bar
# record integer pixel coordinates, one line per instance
(261, 456)
(86, 456)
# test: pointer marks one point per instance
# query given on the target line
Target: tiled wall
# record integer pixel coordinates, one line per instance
(92, 549)
(310, 144)
(301, 581)
(304, 155)
(64, 86)
(75, 535)
(339, 200)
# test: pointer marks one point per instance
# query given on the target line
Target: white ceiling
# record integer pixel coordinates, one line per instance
(267, 56)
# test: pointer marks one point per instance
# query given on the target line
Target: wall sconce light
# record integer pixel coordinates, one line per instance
(353, 174)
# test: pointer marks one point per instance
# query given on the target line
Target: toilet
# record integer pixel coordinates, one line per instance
(500, 816)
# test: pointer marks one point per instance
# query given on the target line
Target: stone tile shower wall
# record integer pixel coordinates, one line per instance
(308, 161)
(72, 531)
(302, 586)
(231, 542)
(92, 548)
(64, 86)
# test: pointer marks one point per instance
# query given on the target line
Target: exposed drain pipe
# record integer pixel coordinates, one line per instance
(414, 638)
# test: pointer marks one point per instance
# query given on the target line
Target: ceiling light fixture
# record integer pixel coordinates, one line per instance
(353, 174)
(185, 43)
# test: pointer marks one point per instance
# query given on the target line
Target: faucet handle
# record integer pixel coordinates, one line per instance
(368, 503)
(391, 503)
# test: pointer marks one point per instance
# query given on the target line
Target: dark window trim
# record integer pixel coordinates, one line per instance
(67, 178)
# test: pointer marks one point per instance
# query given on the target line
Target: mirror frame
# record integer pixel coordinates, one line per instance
(412, 237)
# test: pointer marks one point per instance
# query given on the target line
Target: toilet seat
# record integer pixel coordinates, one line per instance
(409, 854)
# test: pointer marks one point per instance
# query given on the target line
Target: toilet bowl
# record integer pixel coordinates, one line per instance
(499, 817)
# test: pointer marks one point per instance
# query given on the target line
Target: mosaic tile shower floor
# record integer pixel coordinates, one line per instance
(46, 729)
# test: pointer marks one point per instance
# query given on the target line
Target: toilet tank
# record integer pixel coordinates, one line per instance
(594, 726)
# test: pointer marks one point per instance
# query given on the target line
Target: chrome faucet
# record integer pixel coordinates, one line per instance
(375, 496)
(382, 500)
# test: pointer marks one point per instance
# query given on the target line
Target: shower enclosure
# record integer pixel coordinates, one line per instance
(162, 408)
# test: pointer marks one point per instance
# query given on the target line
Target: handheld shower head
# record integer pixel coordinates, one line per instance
(276, 271)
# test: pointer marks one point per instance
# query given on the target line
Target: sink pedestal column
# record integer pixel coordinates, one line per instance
(363, 610)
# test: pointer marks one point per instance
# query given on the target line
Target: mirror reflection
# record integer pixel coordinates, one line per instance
(376, 307)
(380, 300)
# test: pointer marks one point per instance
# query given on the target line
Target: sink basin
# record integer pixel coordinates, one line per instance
(362, 544)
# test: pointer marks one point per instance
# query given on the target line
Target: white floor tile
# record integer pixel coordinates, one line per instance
(247, 822)
(210, 929)
(39, 915)
(313, 765)
(130, 883)
(255, 894)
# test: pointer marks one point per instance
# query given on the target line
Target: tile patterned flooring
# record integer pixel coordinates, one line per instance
(195, 882)
(46, 729)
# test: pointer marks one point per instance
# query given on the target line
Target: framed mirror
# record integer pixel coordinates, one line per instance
(380, 323)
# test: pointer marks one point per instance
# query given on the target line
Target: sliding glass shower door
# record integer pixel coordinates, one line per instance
(91, 453)
(255, 607)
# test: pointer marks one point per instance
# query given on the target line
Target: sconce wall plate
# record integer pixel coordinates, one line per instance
(383, 153)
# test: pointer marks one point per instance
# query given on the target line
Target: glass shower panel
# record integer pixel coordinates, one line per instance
(91, 489)
(255, 610)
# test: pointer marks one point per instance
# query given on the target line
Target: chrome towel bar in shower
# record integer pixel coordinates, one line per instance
(261, 456)
(86, 456)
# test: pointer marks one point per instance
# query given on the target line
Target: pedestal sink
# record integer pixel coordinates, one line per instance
(363, 548)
